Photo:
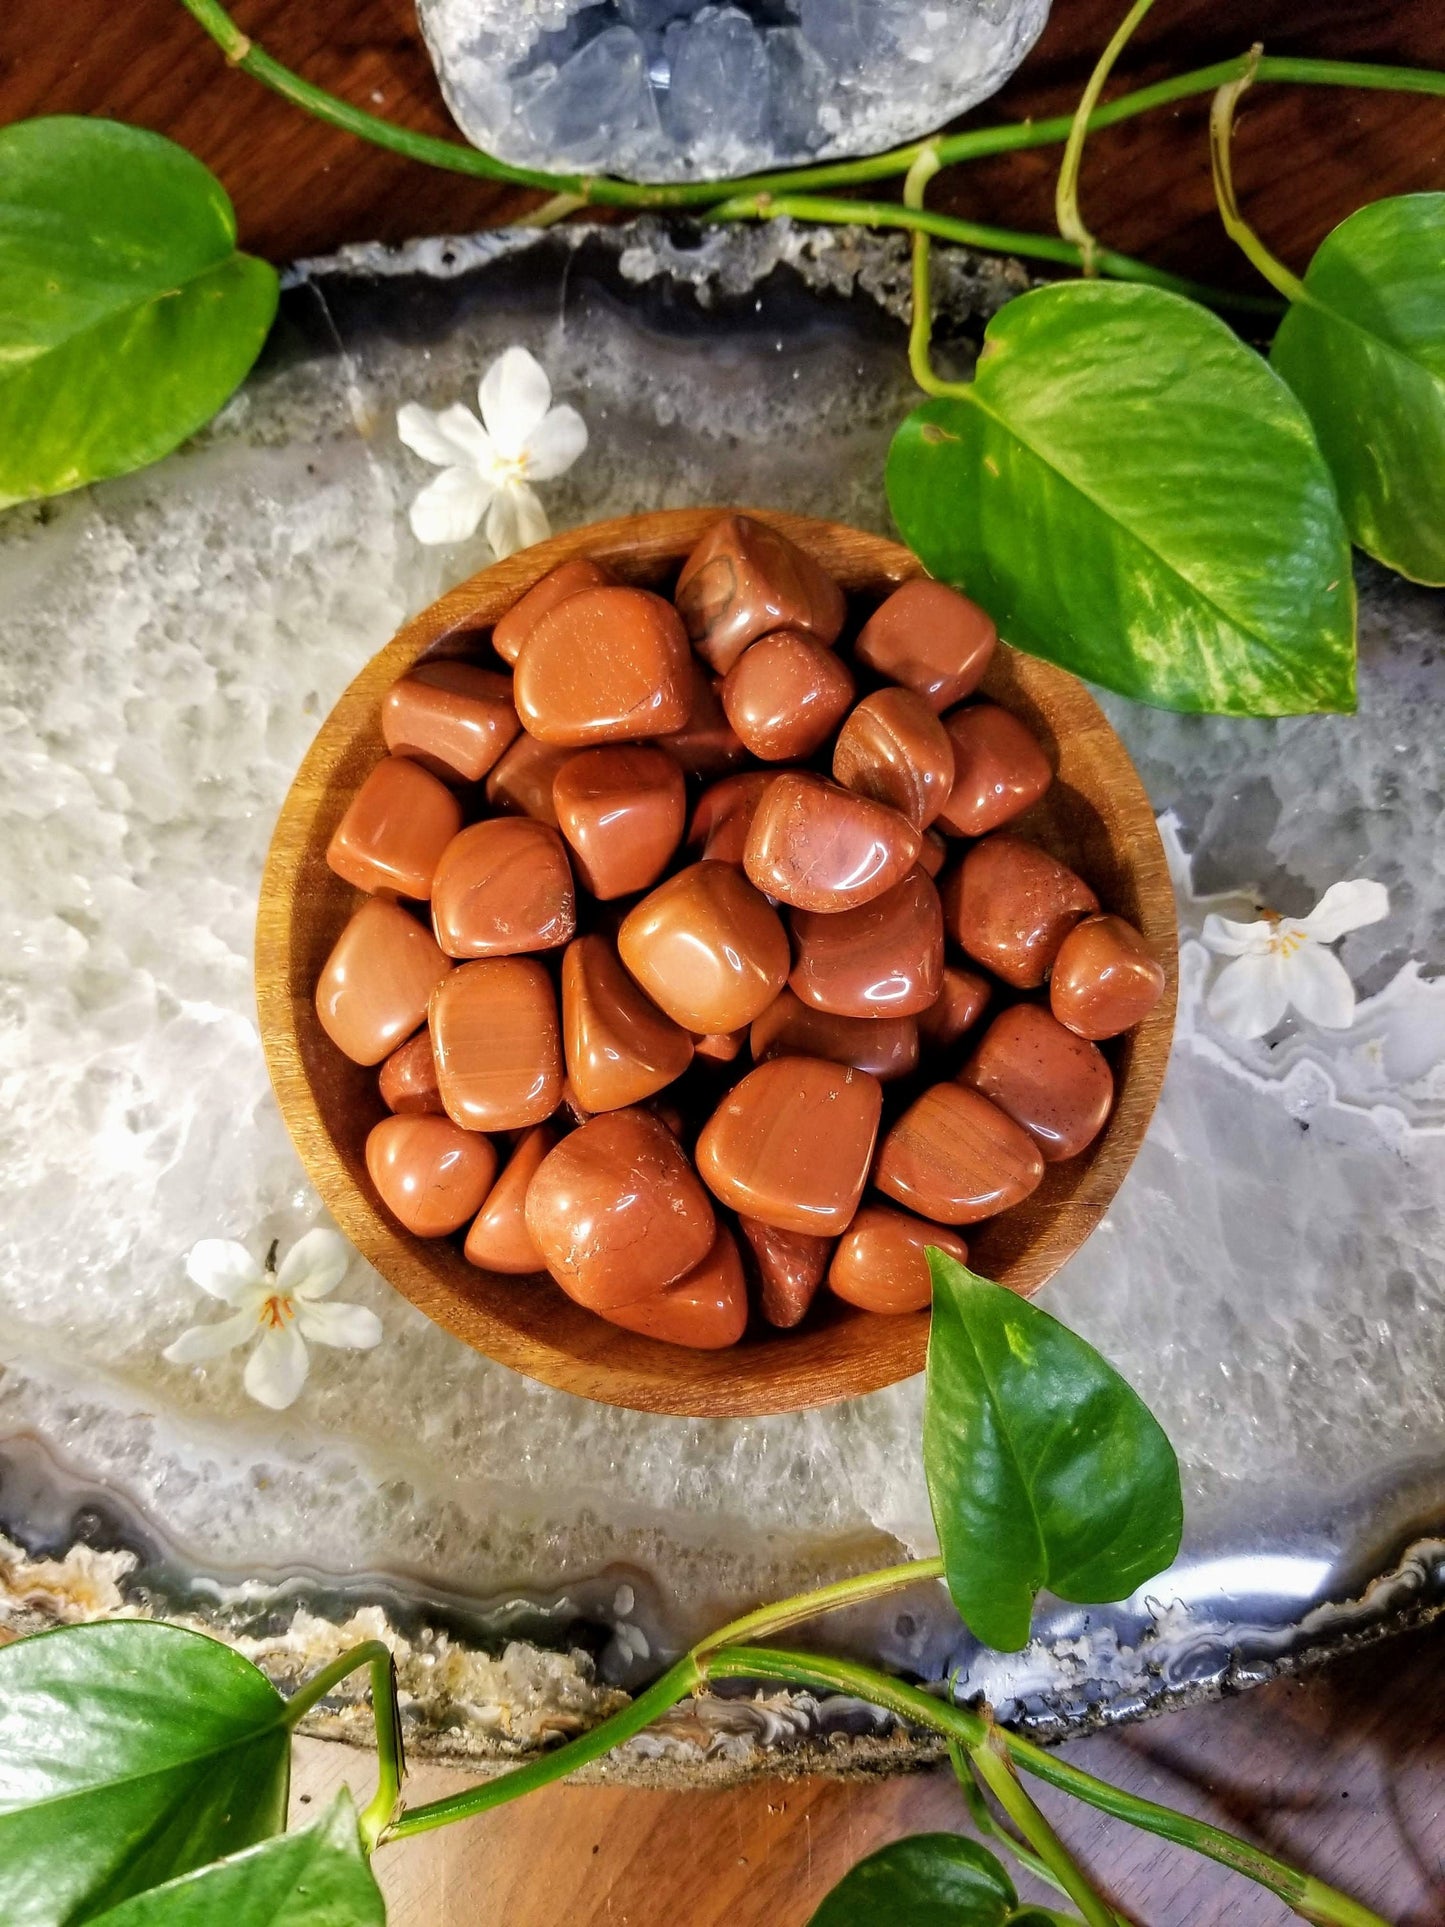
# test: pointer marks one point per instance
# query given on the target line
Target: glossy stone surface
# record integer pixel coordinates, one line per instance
(742, 581)
(498, 1048)
(931, 639)
(707, 745)
(962, 999)
(879, 1264)
(819, 847)
(883, 1046)
(408, 1079)
(617, 1211)
(721, 1046)
(791, 1142)
(1000, 770)
(1056, 1085)
(567, 579)
(394, 831)
(430, 1176)
(707, 1310)
(884, 959)
(499, 1239)
(894, 749)
(504, 887)
(706, 947)
(724, 815)
(789, 1266)
(932, 853)
(604, 666)
(1104, 979)
(622, 810)
(619, 1046)
(785, 695)
(955, 1158)
(454, 718)
(1010, 905)
(374, 987)
(520, 784)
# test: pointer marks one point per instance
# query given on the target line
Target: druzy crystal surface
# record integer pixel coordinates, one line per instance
(670, 90)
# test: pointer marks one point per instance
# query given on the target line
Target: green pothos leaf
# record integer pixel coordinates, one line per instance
(127, 316)
(1134, 494)
(929, 1880)
(1044, 1467)
(1365, 352)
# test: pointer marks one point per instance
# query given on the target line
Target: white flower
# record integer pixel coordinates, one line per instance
(489, 469)
(284, 1307)
(1286, 960)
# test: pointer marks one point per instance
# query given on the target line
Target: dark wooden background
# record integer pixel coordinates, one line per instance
(1343, 1770)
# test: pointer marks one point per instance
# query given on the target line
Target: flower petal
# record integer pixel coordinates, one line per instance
(554, 444)
(516, 520)
(225, 1269)
(210, 1341)
(430, 433)
(514, 396)
(1228, 939)
(1250, 995)
(1320, 987)
(276, 1370)
(352, 1327)
(1346, 906)
(449, 509)
(314, 1265)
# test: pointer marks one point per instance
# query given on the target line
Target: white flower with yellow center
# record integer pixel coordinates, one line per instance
(488, 466)
(281, 1309)
(1284, 961)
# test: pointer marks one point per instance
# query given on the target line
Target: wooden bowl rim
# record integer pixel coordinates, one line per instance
(848, 1353)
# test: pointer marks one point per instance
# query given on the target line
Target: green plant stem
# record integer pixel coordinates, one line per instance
(920, 327)
(1221, 134)
(996, 1771)
(982, 1816)
(391, 1761)
(1066, 194)
(823, 1599)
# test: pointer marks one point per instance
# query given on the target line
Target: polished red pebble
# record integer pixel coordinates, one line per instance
(619, 1046)
(816, 846)
(451, 717)
(1056, 1085)
(707, 745)
(504, 888)
(744, 580)
(707, 948)
(567, 579)
(617, 1211)
(999, 770)
(1105, 979)
(622, 809)
(499, 1239)
(885, 1047)
(880, 1263)
(604, 666)
(430, 1175)
(932, 853)
(724, 815)
(520, 784)
(721, 1046)
(497, 1043)
(707, 1310)
(931, 639)
(961, 1001)
(894, 749)
(955, 1158)
(1010, 905)
(790, 1267)
(884, 959)
(394, 831)
(785, 695)
(374, 987)
(408, 1079)
(791, 1143)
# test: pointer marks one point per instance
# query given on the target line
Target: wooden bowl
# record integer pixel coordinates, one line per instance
(1096, 817)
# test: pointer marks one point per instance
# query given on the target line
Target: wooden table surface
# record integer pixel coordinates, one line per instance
(1341, 1771)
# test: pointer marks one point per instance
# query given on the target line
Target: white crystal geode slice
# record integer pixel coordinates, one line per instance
(675, 90)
